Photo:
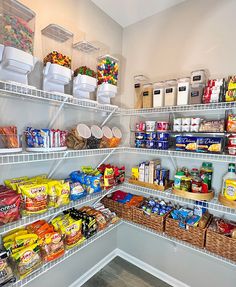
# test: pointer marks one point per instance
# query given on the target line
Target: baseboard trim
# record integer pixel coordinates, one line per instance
(131, 259)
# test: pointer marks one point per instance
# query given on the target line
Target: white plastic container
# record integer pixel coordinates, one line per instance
(16, 42)
(183, 91)
(186, 121)
(170, 93)
(198, 77)
(85, 81)
(186, 128)
(177, 128)
(158, 94)
(177, 121)
(195, 121)
(107, 70)
(57, 73)
(139, 81)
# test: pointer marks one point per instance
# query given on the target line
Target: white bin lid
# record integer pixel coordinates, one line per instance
(84, 131)
(117, 132)
(107, 132)
(96, 132)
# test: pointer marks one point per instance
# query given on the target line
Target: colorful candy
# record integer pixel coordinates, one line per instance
(107, 71)
(58, 58)
(84, 70)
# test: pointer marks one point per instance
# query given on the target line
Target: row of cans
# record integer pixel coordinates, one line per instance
(152, 136)
(162, 176)
(152, 144)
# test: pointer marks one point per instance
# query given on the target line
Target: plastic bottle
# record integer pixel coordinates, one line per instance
(229, 175)
(177, 180)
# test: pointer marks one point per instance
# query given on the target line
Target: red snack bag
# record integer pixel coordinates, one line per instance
(9, 207)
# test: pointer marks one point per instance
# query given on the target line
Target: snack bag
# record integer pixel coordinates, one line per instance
(62, 194)
(34, 198)
(7, 277)
(73, 233)
(10, 207)
(52, 194)
(52, 246)
(27, 260)
(11, 183)
(109, 179)
(76, 191)
(11, 235)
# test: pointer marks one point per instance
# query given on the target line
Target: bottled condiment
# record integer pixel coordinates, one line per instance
(229, 175)
(170, 93)
(185, 183)
(206, 176)
(196, 184)
(147, 96)
(183, 91)
(194, 172)
(177, 180)
(158, 94)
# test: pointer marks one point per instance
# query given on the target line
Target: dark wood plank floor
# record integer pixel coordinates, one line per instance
(120, 273)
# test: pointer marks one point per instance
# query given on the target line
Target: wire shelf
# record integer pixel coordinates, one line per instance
(53, 211)
(182, 243)
(68, 254)
(212, 205)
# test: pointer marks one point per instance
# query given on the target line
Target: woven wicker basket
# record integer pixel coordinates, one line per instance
(193, 235)
(221, 244)
(153, 221)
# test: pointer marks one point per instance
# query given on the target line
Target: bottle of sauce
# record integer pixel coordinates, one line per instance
(229, 175)
(206, 172)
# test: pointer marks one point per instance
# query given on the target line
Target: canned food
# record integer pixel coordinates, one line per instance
(151, 135)
(150, 126)
(163, 136)
(162, 145)
(140, 127)
(140, 143)
(162, 126)
(150, 144)
(140, 136)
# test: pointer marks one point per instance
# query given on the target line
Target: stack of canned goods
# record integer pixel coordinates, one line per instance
(152, 135)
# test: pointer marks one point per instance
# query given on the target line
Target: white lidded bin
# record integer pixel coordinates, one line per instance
(17, 24)
(84, 65)
(57, 50)
(107, 70)
(170, 93)
(183, 91)
(158, 94)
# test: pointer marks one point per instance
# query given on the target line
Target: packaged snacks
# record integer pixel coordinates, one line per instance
(209, 144)
(9, 137)
(57, 58)
(10, 206)
(223, 226)
(11, 183)
(231, 123)
(6, 274)
(27, 260)
(212, 126)
(76, 191)
(52, 246)
(186, 143)
(62, 194)
(231, 93)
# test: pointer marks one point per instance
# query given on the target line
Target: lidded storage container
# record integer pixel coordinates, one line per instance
(107, 72)
(198, 77)
(158, 94)
(57, 51)
(85, 69)
(170, 92)
(183, 91)
(139, 81)
(147, 95)
(16, 41)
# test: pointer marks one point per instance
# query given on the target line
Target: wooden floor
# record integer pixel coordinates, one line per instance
(120, 273)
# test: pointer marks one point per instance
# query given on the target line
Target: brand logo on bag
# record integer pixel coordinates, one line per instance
(6, 208)
(56, 238)
(2, 265)
(27, 256)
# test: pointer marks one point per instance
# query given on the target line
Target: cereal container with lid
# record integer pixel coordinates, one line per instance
(183, 91)
(85, 69)
(198, 77)
(158, 94)
(170, 93)
(57, 51)
(139, 81)
(17, 23)
(107, 73)
(196, 93)
(147, 95)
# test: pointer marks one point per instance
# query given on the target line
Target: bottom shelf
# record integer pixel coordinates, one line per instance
(68, 253)
(182, 243)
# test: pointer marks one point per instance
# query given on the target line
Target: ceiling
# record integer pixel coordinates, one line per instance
(127, 12)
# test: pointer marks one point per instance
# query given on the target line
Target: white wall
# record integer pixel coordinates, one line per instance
(194, 34)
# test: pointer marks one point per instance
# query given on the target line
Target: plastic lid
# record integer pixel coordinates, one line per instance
(179, 173)
(171, 82)
(84, 131)
(96, 132)
(158, 84)
(147, 85)
(206, 164)
(107, 132)
(186, 79)
(117, 132)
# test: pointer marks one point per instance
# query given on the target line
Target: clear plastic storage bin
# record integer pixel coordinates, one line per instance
(158, 94)
(57, 51)
(170, 93)
(139, 81)
(107, 70)
(85, 69)
(16, 41)
(183, 91)
(147, 95)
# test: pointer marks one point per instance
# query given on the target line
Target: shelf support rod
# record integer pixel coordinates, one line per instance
(173, 161)
(105, 194)
(58, 112)
(105, 158)
(57, 165)
(109, 116)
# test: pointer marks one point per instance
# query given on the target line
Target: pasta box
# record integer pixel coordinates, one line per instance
(209, 144)
(186, 143)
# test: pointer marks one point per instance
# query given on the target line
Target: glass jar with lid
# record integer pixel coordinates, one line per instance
(183, 91)
(170, 92)
(158, 94)
(147, 95)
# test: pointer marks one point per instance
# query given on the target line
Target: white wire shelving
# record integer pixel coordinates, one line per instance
(30, 93)
(212, 205)
(179, 242)
(179, 109)
(54, 211)
(69, 253)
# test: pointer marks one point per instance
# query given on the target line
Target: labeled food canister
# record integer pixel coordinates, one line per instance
(140, 143)
(196, 94)
(158, 94)
(162, 126)
(94, 141)
(198, 77)
(150, 135)
(206, 172)
(150, 144)
(170, 93)
(183, 91)
(163, 136)
(177, 179)
(164, 145)
(185, 183)
(196, 184)
(107, 137)
(150, 126)
(83, 133)
(177, 128)
(117, 136)
(140, 136)
(147, 95)
(139, 80)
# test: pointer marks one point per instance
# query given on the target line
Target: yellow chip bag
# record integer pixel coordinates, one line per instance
(62, 194)
(11, 183)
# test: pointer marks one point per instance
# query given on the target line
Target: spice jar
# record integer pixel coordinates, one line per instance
(94, 141)
(158, 94)
(185, 183)
(139, 80)
(116, 139)
(196, 94)
(147, 96)
(183, 91)
(170, 93)
(107, 136)
(196, 184)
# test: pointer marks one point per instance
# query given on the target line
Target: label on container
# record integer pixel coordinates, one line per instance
(197, 78)
(182, 89)
(170, 90)
(137, 86)
(145, 94)
(157, 92)
(195, 94)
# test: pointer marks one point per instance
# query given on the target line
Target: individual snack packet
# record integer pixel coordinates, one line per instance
(52, 246)
(73, 233)
(62, 194)
(11, 183)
